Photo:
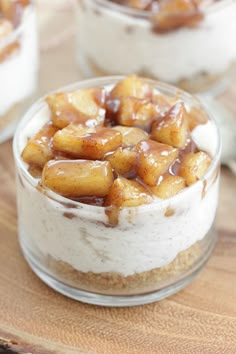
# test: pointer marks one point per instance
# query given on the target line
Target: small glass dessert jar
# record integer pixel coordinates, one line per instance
(186, 45)
(117, 218)
(18, 61)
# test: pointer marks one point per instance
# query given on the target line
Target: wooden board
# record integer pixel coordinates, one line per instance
(35, 319)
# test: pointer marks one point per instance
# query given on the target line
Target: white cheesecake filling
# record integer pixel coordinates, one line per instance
(118, 43)
(18, 72)
(143, 240)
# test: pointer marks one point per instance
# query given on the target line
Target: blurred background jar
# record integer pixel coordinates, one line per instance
(183, 42)
(18, 62)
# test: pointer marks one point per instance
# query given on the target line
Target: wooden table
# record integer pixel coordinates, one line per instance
(35, 319)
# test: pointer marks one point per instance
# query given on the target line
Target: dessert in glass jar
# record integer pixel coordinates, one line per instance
(188, 43)
(18, 61)
(117, 183)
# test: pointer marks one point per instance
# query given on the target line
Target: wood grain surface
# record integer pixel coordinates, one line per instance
(35, 319)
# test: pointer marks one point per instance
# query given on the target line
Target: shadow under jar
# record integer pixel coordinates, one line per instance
(152, 252)
(18, 62)
(197, 53)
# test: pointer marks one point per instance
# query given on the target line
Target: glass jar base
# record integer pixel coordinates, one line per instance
(118, 300)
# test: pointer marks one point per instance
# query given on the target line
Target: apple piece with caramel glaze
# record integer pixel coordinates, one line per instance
(38, 150)
(127, 193)
(131, 135)
(78, 178)
(134, 112)
(131, 86)
(123, 160)
(193, 166)
(87, 143)
(169, 186)
(78, 107)
(153, 160)
(172, 129)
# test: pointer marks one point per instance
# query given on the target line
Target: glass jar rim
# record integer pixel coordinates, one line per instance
(18, 30)
(103, 82)
(142, 14)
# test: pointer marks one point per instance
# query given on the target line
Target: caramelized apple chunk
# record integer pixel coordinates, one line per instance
(87, 143)
(131, 86)
(169, 186)
(136, 112)
(193, 166)
(131, 135)
(78, 178)
(172, 129)
(127, 193)
(154, 159)
(78, 107)
(173, 14)
(122, 160)
(38, 150)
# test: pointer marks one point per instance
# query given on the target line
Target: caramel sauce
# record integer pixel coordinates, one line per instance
(112, 107)
(69, 215)
(113, 213)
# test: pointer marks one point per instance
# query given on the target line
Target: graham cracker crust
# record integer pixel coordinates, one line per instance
(198, 83)
(116, 284)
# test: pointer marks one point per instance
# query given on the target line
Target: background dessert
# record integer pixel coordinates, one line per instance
(18, 61)
(114, 38)
(151, 246)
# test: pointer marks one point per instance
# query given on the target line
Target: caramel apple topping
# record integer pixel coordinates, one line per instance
(127, 160)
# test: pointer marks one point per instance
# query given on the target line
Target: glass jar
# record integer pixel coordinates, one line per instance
(112, 38)
(18, 71)
(154, 250)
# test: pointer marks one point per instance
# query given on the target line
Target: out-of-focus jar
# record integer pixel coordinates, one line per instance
(113, 38)
(18, 62)
(151, 252)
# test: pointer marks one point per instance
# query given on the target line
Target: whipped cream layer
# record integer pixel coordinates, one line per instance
(144, 239)
(118, 43)
(18, 72)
